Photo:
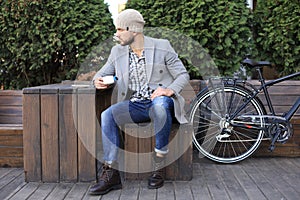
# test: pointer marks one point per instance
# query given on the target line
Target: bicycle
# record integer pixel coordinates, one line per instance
(230, 121)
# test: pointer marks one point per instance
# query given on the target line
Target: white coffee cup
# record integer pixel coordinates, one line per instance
(108, 80)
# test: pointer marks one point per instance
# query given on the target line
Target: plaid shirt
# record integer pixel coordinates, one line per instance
(138, 77)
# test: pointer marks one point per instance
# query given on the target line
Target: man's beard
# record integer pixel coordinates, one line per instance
(126, 42)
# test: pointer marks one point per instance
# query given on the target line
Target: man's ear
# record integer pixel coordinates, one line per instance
(135, 33)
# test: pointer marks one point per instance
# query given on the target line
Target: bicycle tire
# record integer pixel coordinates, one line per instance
(208, 124)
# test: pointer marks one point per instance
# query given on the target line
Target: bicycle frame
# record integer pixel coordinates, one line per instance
(263, 87)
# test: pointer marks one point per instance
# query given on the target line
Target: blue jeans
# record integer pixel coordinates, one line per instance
(160, 111)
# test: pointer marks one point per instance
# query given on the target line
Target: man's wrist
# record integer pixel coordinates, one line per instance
(170, 92)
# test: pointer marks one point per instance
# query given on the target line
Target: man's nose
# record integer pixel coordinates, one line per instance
(117, 33)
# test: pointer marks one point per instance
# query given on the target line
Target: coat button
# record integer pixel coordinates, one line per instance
(123, 93)
(161, 71)
(160, 84)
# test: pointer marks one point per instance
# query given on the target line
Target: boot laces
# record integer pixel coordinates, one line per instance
(106, 173)
(158, 167)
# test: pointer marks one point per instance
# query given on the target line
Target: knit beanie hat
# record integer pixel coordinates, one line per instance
(130, 20)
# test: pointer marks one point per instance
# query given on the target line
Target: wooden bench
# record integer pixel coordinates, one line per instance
(11, 128)
(62, 136)
(61, 127)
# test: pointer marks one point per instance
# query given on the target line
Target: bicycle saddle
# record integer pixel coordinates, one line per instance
(254, 63)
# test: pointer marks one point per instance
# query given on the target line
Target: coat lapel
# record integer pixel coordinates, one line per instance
(124, 64)
(149, 56)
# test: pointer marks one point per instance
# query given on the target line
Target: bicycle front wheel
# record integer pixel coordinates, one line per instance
(214, 136)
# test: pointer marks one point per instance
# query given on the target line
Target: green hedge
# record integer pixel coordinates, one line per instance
(222, 27)
(44, 42)
(277, 33)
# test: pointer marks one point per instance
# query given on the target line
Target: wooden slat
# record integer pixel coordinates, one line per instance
(289, 99)
(180, 153)
(11, 151)
(185, 149)
(131, 148)
(11, 92)
(10, 107)
(11, 110)
(32, 137)
(11, 140)
(86, 126)
(11, 127)
(11, 119)
(11, 161)
(172, 169)
(68, 137)
(49, 137)
(11, 100)
(146, 145)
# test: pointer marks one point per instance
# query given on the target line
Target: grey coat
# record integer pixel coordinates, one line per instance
(163, 68)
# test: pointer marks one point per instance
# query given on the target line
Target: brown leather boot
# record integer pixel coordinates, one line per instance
(157, 178)
(108, 180)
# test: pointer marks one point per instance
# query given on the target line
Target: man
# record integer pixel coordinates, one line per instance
(150, 78)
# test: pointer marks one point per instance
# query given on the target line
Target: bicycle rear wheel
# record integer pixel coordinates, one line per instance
(214, 136)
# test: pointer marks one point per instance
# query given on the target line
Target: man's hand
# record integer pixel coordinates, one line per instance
(98, 82)
(162, 92)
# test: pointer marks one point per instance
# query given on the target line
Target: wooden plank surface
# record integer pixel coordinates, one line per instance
(11, 107)
(68, 151)
(32, 137)
(86, 125)
(253, 178)
(146, 144)
(49, 138)
(130, 151)
(11, 179)
(185, 149)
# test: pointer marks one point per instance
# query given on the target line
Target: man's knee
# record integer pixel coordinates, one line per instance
(105, 115)
(164, 102)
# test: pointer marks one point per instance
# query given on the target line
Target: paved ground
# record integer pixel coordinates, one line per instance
(254, 178)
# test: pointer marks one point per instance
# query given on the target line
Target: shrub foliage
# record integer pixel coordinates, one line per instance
(277, 33)
(222, 27)
(44, 42)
